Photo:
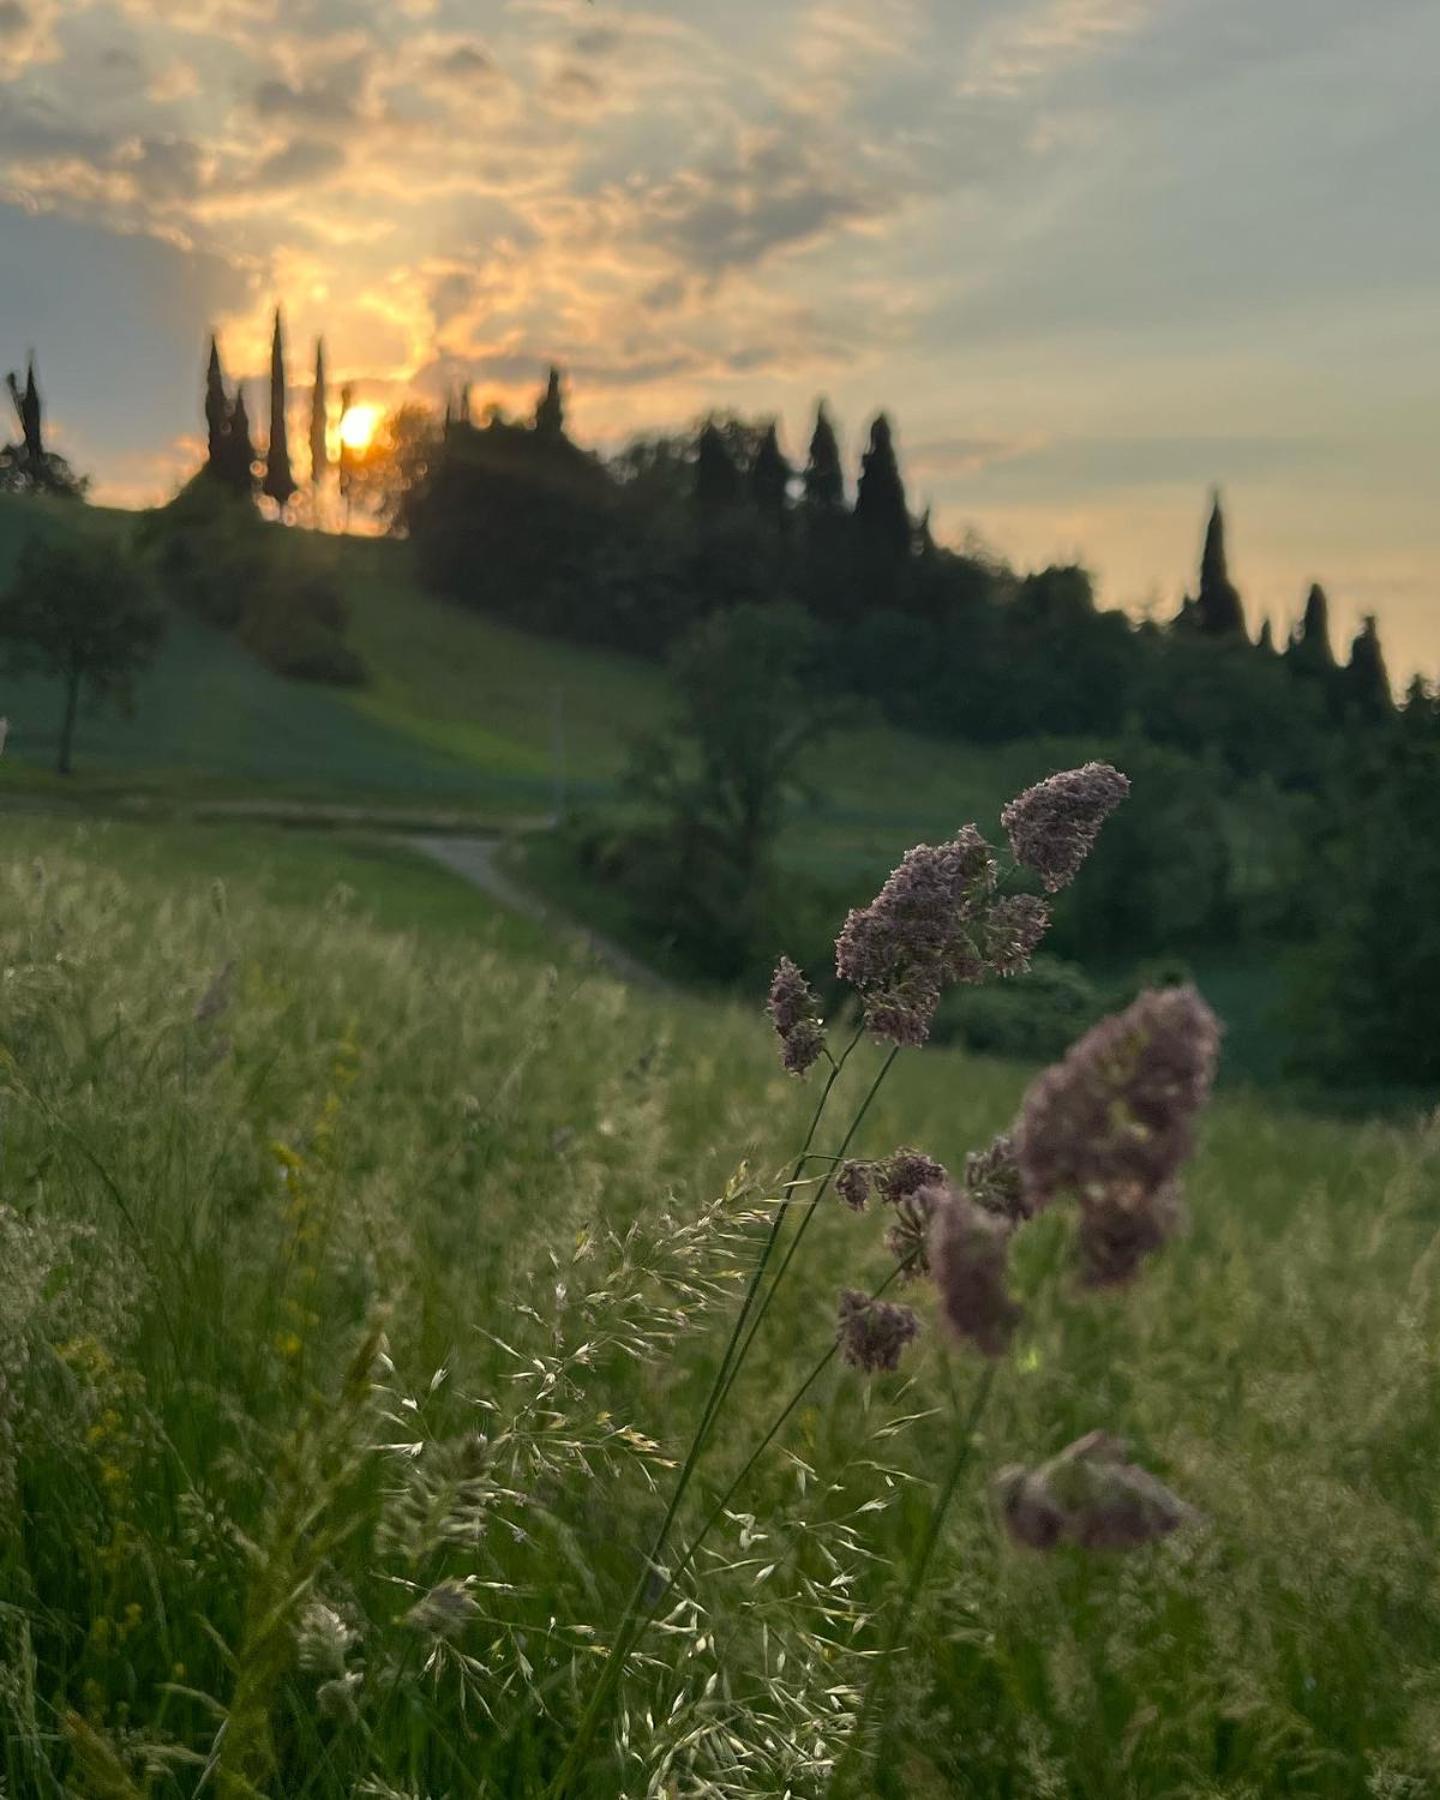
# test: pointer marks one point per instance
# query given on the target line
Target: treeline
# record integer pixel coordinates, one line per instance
(215, 558)
(1269, 777)
(516, 520)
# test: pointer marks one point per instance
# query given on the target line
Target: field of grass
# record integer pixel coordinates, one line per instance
(365, 1264)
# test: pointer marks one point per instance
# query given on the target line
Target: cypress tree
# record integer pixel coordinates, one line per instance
(28, 411)
(1308, 651)
(550, 408)
(1266, 641)
(1365, 683)
(770, 477)
(1218, 612)
(217, 410)
(346, 469)
(717, 480)
(279, 483)
(239, 450)
(880, 508)
(824, 476)
(319, 410)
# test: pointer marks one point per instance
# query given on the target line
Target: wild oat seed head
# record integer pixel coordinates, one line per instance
(873, 1333)
(969, 1250)
(1053, 826)
(323, 1640)
(1090, 1496)
(1117, 1114)
(445, 1611)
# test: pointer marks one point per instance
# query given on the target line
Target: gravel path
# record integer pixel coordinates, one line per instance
(474, 860)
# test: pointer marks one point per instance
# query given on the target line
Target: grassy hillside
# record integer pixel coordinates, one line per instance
(261, 1092)
(459, 711)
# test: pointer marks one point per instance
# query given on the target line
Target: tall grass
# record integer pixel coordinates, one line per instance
(358, 1304)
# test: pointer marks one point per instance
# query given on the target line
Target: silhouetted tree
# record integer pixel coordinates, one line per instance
(1309, 651)
(1364, 682)
(28, 412)
(319, 419)
(347, 458)
(880, 509)
(279, 483)
(217, 411)
(1216, 610)
(78, 611)
(824, 475)
(770, 478)
(749, 710)
(239, 448)
(26, 466)
(717, 480)
(1265, 643)
(550, 408)
(1422, 707)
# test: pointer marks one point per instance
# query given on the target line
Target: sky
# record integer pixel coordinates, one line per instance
(1093, 256)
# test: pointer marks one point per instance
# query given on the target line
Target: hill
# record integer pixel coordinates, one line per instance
(459, 710)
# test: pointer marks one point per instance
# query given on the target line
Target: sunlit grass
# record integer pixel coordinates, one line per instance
(461, 1111)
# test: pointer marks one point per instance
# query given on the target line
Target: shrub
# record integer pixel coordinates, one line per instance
(219, 561)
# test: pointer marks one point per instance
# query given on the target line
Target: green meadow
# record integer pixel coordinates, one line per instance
(368, 1255)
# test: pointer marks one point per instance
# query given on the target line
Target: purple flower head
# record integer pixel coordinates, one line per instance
(905, 1172)
(968, 1254)
(1090, 1496)
(1120, 1229)
(1053, 826)
(993, 1180)
(852, 1184)
(795, 1013)
(924, 931)
(873, 1333)
(911, 1183)
(1117, 1115)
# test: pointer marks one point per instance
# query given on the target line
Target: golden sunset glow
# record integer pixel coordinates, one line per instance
(358, 427)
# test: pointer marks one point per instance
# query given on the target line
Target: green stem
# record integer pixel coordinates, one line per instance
(692, 1549)
(631, 1624)
(808, 1215)
(900, 1619)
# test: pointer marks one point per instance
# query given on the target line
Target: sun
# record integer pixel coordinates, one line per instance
(358, 426)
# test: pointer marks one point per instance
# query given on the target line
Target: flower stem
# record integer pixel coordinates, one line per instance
(692, 1549)
(632, 1623)
(899, 1622)
(806, 1217)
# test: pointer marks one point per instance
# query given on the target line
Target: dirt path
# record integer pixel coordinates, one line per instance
(474, 860)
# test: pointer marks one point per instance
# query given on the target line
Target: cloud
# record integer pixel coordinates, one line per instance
(1029, 45)
(301, 162)
(773, 192)
(27, 35)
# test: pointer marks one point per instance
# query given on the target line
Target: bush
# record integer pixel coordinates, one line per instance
(216, 559)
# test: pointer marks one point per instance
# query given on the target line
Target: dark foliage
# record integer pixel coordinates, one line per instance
(319, 420)
(80, 611)
(216, 558)
(550, 408)
(279, 483)
(1366, 992)
(27, 467)
(713, 787)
